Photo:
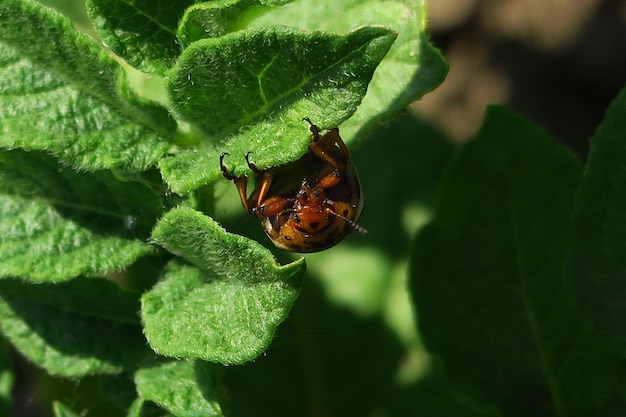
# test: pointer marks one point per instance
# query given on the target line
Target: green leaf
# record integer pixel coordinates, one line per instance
(141, 32)
(7, 379)
(77, 328)
(596, 270)
(240, 78)
(226, 308)
(488, 280)
(136, 408)
(66, 96)
(61, 410)
(142, 407)
(76, 59)
(412, 67)
(184, 388)
(56, 224)
(38, 111)
(267, 80)
(215, 18)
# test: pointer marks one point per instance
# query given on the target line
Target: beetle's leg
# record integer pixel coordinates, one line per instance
(327, 143)
(272, 206)
(333, 138)
(225, 172)
(320, 146)
(240, 182)
(262, 186)
(338, 208)
(263, 183)
(330, 180)
(252, 165)
(242, 185)
(313, 128)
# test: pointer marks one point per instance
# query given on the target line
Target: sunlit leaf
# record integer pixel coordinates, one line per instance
(225, 308)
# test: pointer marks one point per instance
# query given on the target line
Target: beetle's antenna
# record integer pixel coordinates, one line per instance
(356, 227)
(352, 223)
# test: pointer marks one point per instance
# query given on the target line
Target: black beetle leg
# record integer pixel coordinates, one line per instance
(313, 128)
(225, 171)
(252, 165)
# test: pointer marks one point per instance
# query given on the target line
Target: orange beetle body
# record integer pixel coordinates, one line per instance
(308, 205)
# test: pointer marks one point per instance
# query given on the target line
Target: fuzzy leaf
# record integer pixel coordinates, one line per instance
(412, 67)
(597, 271)
(150, 37)
(226, 308)
(56, 224)
(222, 84)
(40, 112)
(267, 80)
(488, 280)
(142, 32)
(75, 58)
(65, 95)
(215, 18)
(184, 388)
(77, 328)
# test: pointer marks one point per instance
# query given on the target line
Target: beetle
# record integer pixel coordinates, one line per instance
(308, 205)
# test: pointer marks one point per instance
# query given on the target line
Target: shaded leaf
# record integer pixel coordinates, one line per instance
(142, 32)
(61, 410)
(227, 308)
(597, 269)
(184, 388)
(488, 282)
(6, 379)
(144, 408)
(56, 224)
(135, 408)
(267, 80)
(77, 328)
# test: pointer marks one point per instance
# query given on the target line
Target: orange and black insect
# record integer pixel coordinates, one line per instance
(308, 205)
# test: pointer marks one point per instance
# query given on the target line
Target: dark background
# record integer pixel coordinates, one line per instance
(559, 63)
